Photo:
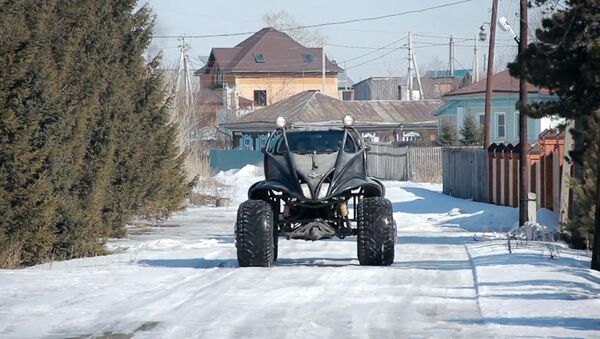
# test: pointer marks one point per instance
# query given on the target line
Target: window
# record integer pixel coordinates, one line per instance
(501, 125)
(246, 142)
(481, 119)
(260, 98)
(308, 57)
(259, 58)
(220, 77)
(347, 95)
(411, 136)
(261, 142)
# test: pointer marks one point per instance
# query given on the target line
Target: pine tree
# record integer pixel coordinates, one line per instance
(566, 60)
(85, 142)
(470, 132)
(27, 81)
(448, 134)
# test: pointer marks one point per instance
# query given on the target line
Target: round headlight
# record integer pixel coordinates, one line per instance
(348, 120)
(280, 122)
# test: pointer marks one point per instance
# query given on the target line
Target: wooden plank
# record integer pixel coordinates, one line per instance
(465, 173)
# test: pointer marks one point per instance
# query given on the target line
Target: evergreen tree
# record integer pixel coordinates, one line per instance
(471, 132)
(566, 60)
(85, 142)
(448, 134)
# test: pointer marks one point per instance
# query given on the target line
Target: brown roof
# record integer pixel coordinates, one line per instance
(208, 96)
(281, 54)
(312, 107)
(502, 82)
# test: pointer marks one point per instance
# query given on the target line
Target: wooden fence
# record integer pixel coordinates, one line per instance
(419, 164)
(466, 173)
(544, 162)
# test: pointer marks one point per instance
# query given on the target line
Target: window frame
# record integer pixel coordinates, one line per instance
(257, 97)
(308, 57)
(498, 114)
(259, 58)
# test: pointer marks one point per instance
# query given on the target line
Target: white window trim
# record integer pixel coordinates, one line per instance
(498, 114)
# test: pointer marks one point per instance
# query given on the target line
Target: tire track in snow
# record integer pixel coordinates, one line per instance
(475, 280)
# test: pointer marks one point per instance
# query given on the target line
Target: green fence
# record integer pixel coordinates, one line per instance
(223, 160)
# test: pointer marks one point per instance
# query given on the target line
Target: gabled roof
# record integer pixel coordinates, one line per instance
(312, 107)
(502, 83)
(281, 54)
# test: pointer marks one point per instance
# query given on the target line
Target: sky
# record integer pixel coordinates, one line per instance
(431, 28)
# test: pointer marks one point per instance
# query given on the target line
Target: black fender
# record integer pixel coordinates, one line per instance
(371, 188)
(260, 189)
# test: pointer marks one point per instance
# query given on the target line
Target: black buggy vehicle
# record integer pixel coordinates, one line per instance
(311, 176)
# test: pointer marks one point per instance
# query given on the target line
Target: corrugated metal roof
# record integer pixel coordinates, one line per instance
(314, 107)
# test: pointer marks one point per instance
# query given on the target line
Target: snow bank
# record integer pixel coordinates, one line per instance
(533, 231)
(240, 180)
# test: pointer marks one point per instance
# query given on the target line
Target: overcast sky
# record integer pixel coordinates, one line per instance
(175, 17)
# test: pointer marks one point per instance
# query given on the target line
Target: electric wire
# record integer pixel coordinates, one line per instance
(343, 22)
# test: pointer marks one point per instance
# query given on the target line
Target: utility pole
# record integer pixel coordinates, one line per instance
(323, 90)
(475, 62)
(490, 74)
(414, 59)
(524, 143)
(451, 57)
(409, 80)
(182, 67)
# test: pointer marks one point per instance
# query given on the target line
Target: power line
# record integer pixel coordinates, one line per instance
(359, 47)
(343, 22)
(376, 58)
(377, 50)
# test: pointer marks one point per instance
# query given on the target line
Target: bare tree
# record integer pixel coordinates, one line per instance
(195, 126)
(282, 20)
(279, 90)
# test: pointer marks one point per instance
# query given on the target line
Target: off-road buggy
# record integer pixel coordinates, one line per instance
(312, 175)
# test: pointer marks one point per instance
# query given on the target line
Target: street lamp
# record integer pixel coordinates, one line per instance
(523, 142)
(505, 26)
(482, 32)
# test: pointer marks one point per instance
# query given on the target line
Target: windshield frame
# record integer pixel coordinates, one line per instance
(346, 142)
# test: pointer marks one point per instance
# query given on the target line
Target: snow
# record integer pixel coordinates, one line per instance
(240, 180)
(453, 276)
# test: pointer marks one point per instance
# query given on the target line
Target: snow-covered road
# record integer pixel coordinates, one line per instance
(182, 281)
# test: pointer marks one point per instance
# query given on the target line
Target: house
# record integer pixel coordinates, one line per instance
(380, 88)
(379, 121)
(470, 100)
(434, 83)
(437, 83)
(265, 68)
